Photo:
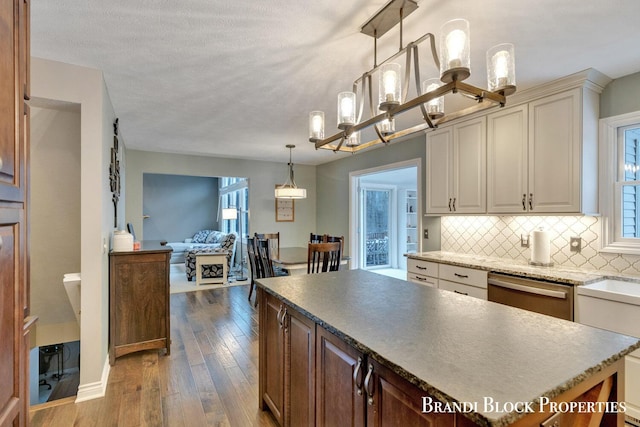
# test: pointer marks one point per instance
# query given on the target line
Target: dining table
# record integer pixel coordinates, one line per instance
(294, 259)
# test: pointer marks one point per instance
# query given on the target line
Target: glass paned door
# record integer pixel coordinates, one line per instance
(376, 221)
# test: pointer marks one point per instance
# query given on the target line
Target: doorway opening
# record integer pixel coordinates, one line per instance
(385, 217)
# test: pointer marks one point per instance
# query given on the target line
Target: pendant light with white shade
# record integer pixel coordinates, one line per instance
(289, 190)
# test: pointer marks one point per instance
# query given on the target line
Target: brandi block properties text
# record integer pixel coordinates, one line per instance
(490, 405)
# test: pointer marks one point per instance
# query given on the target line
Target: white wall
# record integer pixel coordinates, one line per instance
(54, 218)
(52, 80)
(263, 177)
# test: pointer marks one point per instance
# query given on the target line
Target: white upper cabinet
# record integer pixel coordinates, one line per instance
(507, 178)
(554, 153)
(456, 159)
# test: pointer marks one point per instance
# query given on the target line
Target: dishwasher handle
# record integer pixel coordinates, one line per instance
(528, 289)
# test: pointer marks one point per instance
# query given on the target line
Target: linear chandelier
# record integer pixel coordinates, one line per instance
(393, 85)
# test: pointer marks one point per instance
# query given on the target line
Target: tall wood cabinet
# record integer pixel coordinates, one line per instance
(139, 300)
(456, 165)
(15, 319)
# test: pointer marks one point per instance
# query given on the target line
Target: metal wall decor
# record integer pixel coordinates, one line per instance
(114, 173)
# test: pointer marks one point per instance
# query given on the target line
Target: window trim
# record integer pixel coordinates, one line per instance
(610, 191)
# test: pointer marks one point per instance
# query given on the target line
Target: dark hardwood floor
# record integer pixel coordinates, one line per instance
(210, 378)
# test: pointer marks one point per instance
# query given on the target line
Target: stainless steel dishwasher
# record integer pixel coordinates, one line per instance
(553, 299)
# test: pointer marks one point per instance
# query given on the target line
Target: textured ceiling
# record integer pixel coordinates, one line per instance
(238, 78)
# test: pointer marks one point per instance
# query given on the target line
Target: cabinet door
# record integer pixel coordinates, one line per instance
(507, 136)
(11, 320)
(439, 171)
(339, 376)
(271, 362)
(469, 166)
(554, 152)
(300, 360)
(393, 401)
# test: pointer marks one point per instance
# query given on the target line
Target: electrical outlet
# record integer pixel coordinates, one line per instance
(575, 244)
(524, 240)
(426, 233)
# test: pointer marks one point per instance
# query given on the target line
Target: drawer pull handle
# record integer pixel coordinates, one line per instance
(524, 202)
(464, 276)
(454, 204)
(0, 242)
(278, 318)
(357, 377)
(449, 204)
(419, 267)
(420, 278)
(461, 293)
(530, 201)
(368, 386)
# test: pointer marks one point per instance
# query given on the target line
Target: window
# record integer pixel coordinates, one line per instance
(620, 183)
(234, 192)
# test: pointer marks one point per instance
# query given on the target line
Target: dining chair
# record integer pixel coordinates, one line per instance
(323, 257)
(333, 239)
(273, 238)
(251, 254)
(263, 257)
(316, 238)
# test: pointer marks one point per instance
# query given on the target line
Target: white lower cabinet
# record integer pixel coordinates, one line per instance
(463, 280)
(608, 310)
(422, 272)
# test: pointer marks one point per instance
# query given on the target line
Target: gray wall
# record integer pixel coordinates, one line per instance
(333, 187)
(621, 96)
(263, 177)
(178, 206)
(55, 210)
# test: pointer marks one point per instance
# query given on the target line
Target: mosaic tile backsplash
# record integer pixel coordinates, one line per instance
(499, 236)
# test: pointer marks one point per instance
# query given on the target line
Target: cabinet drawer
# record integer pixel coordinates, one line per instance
(422, 280)
(465, 275)
(424, 268)
(463, 289)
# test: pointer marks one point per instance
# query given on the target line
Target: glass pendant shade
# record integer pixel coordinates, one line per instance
(346, 109)
(389, 88)
(353, 140)
(316, 126)
(501, 70)
(455, 61)
(435, 107)
(387, 126)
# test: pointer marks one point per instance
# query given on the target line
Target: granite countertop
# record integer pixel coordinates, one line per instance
(560, 274)
(457, 348)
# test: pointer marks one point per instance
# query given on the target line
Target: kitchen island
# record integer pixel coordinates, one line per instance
(353, 347)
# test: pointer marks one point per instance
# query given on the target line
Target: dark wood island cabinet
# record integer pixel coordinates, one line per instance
(139, 300)
(359, 349)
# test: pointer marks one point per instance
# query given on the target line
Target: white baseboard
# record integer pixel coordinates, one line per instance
(97, 389)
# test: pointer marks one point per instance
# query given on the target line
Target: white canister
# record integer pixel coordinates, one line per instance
(122, 241)
(541, 247)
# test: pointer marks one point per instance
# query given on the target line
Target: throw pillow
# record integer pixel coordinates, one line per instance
(214, 237)
(201, 236)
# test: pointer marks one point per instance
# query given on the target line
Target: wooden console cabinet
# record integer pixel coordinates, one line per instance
(139, 300)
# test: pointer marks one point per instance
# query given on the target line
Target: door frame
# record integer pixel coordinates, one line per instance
(354, 177)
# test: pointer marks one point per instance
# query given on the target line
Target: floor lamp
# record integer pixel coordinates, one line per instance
(234, 213)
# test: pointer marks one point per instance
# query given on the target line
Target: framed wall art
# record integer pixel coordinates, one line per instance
(285, 210)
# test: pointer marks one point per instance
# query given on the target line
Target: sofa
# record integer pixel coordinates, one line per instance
(227, 243)
(203, 239)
